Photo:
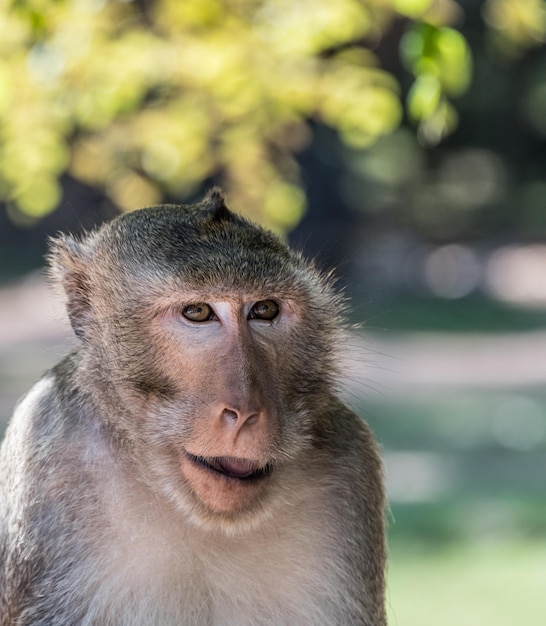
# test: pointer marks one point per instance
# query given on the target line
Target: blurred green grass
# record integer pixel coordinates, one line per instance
(468, 584)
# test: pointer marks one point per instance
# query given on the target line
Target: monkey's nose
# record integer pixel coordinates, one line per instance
(237, 419)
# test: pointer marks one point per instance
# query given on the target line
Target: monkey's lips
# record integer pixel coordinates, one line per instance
(232, 467)
(225, 484)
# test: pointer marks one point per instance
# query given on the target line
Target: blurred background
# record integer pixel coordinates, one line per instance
(402, 142)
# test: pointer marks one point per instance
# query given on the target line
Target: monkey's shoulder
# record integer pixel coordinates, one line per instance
(346, 452)
(52, 402)
(50, 426)
(341, 431)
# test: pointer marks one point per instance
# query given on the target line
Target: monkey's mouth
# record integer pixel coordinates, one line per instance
(232, 467)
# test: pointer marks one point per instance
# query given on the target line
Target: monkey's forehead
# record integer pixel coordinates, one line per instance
(187, 242)
(184, 246)
(172, 232)
(220, 272)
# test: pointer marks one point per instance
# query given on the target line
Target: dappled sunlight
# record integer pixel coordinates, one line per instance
(451, 271)
(515, 274)
(517, 25)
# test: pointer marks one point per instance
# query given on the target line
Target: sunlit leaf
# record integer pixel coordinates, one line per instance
(40, 197)
(412, 8)
(424, 97)
(284, 203)
(519, 24)
(454, 60)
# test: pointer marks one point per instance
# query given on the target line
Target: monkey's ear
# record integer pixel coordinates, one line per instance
(68, 262)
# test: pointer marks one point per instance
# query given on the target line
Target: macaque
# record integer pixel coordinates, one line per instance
(191, 462)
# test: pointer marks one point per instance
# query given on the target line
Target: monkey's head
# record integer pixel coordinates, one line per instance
(207, 348)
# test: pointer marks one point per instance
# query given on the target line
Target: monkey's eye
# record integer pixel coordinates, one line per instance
(200, 312)
(264, 310)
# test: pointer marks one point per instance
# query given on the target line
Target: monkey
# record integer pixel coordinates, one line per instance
(191, 462)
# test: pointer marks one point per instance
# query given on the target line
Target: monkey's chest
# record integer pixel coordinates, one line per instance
(246, 582)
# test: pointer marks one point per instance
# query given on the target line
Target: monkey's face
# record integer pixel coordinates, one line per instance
(217, 390)
(207, 345)
(221, 363)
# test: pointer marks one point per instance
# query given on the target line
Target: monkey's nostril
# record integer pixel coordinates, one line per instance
(230, 416)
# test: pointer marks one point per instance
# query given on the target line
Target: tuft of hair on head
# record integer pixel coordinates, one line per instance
(214, 205)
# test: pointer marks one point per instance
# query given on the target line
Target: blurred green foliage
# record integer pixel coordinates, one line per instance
(516, 25)
(146, 99)
(440, 60)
